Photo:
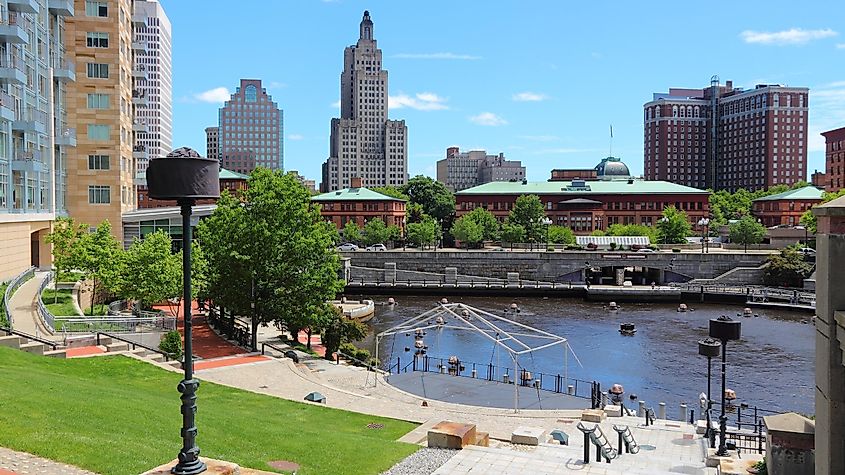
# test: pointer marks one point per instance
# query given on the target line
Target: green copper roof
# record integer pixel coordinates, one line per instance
(354, 194)
(806, 193)
(594, 187)
(230, 175)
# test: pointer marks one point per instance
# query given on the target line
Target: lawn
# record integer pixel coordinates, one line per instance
(60, 303)
(116, 415)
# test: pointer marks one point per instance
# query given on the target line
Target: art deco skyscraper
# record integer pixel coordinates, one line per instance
(364, 142)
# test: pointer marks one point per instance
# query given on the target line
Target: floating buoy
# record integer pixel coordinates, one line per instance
(444, 300)
(419, 344)
(627, 329)
(439, 321)
(682, 307)
(730, 394)
(746, 312)
(391, 301)
(612, 306)
(407, 349)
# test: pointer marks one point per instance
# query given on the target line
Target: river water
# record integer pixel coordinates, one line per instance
(772, 366)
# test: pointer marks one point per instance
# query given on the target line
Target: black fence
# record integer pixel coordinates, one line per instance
(229, 326)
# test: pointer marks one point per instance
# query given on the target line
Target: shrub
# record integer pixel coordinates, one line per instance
(550, 248)
(612, 246)
(592, 246)
(675, 249)
(172, 345)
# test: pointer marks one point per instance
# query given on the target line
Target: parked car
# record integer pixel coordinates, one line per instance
(377, 247)
(646, 249)
(807, 251)
(347, 246)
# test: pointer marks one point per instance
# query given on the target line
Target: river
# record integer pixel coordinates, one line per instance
(772, 366)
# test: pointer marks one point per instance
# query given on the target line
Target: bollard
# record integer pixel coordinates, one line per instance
(506, 378)
(442, 369)
(474, 373)
(682, 415)
(570, 390)
(641, 410)
(661, 411)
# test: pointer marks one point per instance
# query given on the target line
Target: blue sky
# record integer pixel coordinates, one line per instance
(540, 81)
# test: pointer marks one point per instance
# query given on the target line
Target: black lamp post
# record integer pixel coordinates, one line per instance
(710, 348)
(184, 176)
(724, 329)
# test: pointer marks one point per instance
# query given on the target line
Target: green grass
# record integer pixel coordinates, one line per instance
(3, 321)
(60, 303)
(116, 415)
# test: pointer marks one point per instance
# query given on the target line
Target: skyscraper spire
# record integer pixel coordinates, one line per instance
(366, 27)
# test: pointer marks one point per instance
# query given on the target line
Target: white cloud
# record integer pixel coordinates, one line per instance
(792, 36)
(218, 94)
(488, 118)
(827, 112)
(295, 137)
(529, 97)
(276, 85)
(436, 56)
(840, 45)
(422, 101)
(335, 104)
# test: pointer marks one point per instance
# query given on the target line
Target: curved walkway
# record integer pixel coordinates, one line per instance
(25, 309)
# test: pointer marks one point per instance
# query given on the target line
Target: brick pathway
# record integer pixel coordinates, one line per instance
(15, 463)
(316, 343)
(207, 344)
(221, 362)
(83, 351)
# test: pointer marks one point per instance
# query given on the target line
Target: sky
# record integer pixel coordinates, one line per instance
(540, 81)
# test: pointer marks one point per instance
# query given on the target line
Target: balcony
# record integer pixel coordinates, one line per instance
(140, 126)
(139, 46)
(65, 136)
(28, 161)
(30, 120)
(7, 106)
(23, 6)
(11, 71)
(64, 70)
(139, 98)
(140, 72)
(13, 30)
(139, 19)
(60, 7)
(140, 152)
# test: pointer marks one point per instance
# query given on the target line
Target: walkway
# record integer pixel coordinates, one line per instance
(207, 344)
(13, 463)
(24, 308)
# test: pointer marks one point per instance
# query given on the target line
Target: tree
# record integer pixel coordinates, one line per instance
(787, 269)
(528, 212)
(351, 232)
(414, 212)
(808, 219)
(391, 191)
(337, 329)
(561, 235)
(99, 257)
(633, 230)
(422, 233)
(673, 227)
(375, 232)
(512, 233)
(747, 231)
(151, 271)
(436, 200)
(65, 238)
(394, 232)
(467, 231)
(489, 224)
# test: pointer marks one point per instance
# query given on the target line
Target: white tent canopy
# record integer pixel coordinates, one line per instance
(606, 240)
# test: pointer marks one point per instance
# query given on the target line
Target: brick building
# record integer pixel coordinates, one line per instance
(818, 179)
(229, 180)
(613, 197)
(359, 205)
(786, 208)
(727, 138)
(250, 132)
(462, 170)
(834, 159)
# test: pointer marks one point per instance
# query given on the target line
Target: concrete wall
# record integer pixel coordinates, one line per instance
(552, 266)
(15, 246)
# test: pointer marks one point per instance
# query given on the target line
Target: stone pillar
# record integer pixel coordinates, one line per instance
(513, 279)
(451, 275)
(390, 272)
(345, 269)
(830, 371)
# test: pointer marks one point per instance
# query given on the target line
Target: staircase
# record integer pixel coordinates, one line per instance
(31, 346)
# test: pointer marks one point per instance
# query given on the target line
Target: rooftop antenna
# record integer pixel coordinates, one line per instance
(611, 140)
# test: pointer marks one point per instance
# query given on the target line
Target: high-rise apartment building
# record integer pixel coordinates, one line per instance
(212, 142)
(834, 154)
(251, 130)
(364, 143)
(153, 73)
(727, 138)
(102, 105)
(35, 134)
(462, 170)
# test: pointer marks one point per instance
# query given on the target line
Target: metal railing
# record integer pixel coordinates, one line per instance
(117, 306)
(112, 324)
(231, 327)
(13, 286)
(133, 343)
(7, 101)
(46, 316)
(28, 155)
(66, 132)
(753, 293)
(363, 364)
(461, 283)
(63, 62)
(31, 114)
(52, 344)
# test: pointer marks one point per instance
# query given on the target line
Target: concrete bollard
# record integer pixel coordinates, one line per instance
(661, 410)
(570, 390)
(641, 410)
(683, 413)
(506, 379)
(474, 373)
(442, 369)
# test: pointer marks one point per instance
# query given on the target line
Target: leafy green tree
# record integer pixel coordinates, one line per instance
(808, 219)
(747, 231)
(351, 232)
(467, 231)
(151, 271)
(171, 344)
(98, 256)
(513, 233)
(423, 233)
(390, 190)
(673, 227)
(375, 232)
(787, 269)
(337, 329)
(633, 230)
(414, 213)
(598, 232)
(436, 200)
(561, 235)
(394, 232)
(528, 212)
(489, 224)
(65, 238)
(274, 245)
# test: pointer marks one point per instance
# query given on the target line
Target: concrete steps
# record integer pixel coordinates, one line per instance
(33, 347)
(61, 354)
(11, 341)
(119, 346)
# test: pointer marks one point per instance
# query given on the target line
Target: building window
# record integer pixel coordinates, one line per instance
(98, 101)
(250, 93)
(99, 194)
(98, 70)
(96, 8)
(98, 162)
(98, 132)
(97, 39)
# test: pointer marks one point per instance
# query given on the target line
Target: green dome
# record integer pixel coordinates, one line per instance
(612, 167)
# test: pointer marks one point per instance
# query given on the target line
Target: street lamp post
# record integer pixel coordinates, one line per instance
(724, 329)
(710, 348)
(705, 234)
(184, 176)
(664, 220)
(404, 234)
(547, 222)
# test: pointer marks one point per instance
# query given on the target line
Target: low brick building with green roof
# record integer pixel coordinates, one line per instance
(229, 180)
(360, 204)
(785, 209)
(589, 205)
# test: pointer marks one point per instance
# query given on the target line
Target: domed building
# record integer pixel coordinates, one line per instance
(610, 168)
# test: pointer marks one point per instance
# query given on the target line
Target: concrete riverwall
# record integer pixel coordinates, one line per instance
(555, 266)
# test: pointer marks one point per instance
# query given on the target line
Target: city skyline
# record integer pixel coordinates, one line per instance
(441, 83)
